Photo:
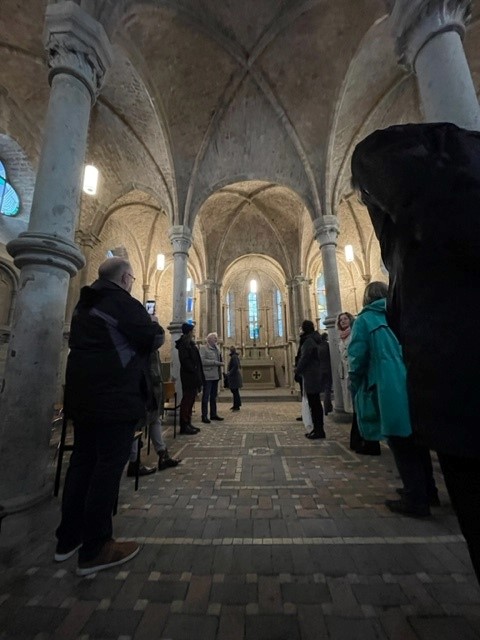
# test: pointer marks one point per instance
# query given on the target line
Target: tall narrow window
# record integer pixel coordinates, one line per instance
(277, 313)
(321, 300)
(9, 200)
(230, 314)
(190, 301)
(253, 329)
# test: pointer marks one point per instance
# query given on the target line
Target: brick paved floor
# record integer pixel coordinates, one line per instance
(259, 534)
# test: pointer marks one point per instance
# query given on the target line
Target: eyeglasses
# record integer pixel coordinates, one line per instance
(131, 276)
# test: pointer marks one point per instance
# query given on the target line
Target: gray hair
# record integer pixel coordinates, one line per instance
(113, 268)
(214, 334)
(374, 291)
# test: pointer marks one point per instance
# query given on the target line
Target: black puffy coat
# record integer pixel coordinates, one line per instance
(314, 363)
(111, 338)
(421, 184)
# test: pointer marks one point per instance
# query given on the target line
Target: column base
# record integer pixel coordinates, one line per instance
(10, 506)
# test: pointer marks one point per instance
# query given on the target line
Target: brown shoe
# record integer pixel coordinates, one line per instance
(112, 554)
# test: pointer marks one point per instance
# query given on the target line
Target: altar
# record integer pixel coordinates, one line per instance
(258, 372)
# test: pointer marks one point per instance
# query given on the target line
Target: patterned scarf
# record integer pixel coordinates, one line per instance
(345, 333)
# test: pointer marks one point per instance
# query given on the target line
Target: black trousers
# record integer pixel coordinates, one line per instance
(316, 410)
(462, 478)
(414, 465)
(100, 453)
(209, 396)
(186, 406)
(237, 402)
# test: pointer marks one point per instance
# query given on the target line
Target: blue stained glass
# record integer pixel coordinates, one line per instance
(9, 200)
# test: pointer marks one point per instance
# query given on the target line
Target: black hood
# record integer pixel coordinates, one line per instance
(406, 167)
(91, 295)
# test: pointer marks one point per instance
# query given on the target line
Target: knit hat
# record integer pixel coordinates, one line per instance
(187, 328)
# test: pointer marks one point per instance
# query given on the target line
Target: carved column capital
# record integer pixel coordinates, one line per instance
(86, 239)
(415, 22)
(77, 45)
(181, 239)
(327, 229)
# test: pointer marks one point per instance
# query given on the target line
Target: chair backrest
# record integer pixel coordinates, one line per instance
(168, 390)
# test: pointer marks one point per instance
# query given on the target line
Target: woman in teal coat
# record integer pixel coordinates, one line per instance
(379, 389)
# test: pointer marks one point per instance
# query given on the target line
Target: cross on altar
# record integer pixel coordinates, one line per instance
(256, 375)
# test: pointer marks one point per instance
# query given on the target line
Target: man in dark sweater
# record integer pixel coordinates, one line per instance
(111, 339)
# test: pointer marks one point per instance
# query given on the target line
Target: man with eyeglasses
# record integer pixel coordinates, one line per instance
(111, 339)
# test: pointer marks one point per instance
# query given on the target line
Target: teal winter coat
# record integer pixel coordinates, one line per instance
(378, 376)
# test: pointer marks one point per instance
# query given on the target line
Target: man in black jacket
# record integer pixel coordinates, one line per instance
(421, 185)
(111, 338)
(191, 375)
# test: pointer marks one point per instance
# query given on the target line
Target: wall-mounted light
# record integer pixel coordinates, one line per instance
(349, 255)
(189, 285)
(253, 286)
(90, 179)
(160, 262)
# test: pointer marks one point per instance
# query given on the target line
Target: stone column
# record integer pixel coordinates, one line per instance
(216, 308)
(295, 312)
(181, 239)
(428, 37)
(303, 298)
(326, 233)
(201, 311)
(78, 56)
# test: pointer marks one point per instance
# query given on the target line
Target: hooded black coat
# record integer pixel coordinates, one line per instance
(314, 363)
(421, 185)
(111, 338)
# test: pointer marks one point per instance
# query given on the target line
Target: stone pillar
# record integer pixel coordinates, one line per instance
(295, 312)
(216, 308)
(428, 37)
(201, 311)
(326, 233)
(303, 297)
(78, 56)
(181, 239)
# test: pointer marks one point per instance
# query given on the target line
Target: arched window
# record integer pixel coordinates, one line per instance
(277, 313)
(230, 313)
(321, 301)
(253, 329)
(9, 200)
(190, 301)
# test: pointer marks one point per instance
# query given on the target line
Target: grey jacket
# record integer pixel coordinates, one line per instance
(211, 360)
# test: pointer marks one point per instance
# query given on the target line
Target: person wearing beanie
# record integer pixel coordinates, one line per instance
(191, 375)
(314, 367)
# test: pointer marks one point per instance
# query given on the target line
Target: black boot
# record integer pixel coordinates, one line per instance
(142, 471)
(165, 461)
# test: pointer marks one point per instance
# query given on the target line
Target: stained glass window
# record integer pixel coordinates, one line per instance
(277, 311)
(321, 300)
(253, 328)
(230, 311)
(9, 200)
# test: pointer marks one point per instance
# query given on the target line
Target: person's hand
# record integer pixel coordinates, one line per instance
(154, 318)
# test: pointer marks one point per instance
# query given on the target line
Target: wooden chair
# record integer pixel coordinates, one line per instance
(170, 402)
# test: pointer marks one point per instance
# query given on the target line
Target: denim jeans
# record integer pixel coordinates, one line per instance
(100, 453)
(209, 396)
